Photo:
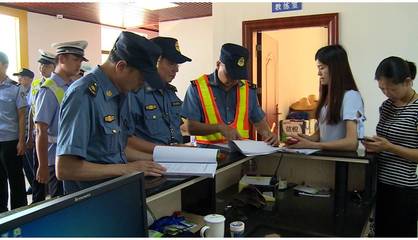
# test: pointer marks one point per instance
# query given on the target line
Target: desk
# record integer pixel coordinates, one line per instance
(297, 216)
(204, 194)
(342, 159)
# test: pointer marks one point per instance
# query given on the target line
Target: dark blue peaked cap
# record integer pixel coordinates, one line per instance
(141, 54)
(170, 49)
(235, 58)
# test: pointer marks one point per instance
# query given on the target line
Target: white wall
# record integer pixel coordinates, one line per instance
(368, 31)
(43, 30)
(195, 38)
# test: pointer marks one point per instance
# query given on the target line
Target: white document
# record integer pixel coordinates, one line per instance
(255, 180)
(187, 161)
(255, 148)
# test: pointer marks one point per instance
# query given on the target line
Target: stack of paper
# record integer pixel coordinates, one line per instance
(255, 148)
(187, 161)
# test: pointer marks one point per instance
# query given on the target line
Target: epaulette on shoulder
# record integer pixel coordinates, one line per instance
(92, 88)
(172, 88)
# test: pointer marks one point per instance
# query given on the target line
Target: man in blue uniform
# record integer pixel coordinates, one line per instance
(156, 112)
(70, 55)
(25, 78)
(220, 106)
(46, 67)
(12, 139)
(95, 123)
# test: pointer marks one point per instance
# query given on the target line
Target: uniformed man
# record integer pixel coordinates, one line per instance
(220, 106)
(12, 139)
(46, 67)
(95, 123)
(70, 55)
(25, 79)
(156, 112)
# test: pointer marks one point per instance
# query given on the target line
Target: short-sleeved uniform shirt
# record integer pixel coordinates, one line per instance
(47, 111)
(11, 99)
(226, 101)
(94, 124)
(352, 108)
(156, 114)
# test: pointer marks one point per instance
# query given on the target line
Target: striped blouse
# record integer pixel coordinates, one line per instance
(399, 126)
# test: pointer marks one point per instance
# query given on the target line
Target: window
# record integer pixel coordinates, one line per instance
(13, 41)
(109, 36)
(9, 43)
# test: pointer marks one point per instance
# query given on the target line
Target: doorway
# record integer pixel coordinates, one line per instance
(282, 58)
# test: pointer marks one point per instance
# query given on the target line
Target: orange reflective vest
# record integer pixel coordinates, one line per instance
(212, 115)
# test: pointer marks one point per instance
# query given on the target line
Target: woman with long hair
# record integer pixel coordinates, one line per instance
(340, 111)
(396, 144)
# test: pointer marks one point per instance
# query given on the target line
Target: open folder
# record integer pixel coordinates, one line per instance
(187, 161)
(255, 148)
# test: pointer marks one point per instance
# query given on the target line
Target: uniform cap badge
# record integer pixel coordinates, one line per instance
(177, 46)
(241, 62)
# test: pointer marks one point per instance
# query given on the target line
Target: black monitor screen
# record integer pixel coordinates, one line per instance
(115, 208)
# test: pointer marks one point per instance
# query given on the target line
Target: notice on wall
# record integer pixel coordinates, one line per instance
(285, 6)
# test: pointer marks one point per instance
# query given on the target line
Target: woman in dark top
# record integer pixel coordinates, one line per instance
(396, 144)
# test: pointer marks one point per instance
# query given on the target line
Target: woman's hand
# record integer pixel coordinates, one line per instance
(377, 144)
(303, 142)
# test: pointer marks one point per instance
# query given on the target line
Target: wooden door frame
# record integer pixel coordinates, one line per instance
(329, 20)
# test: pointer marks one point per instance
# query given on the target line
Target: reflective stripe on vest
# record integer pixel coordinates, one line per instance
(59, 94)
(58, 91)
(211, 111)
(35, 86)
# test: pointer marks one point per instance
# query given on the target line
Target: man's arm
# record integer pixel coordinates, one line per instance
(30, 140)
(141, 145)
(70, 167)
(201, 129)
(42, 174)
(263, 129)
(21, 144)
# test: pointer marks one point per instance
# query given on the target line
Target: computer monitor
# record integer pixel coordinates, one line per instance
(115, 208)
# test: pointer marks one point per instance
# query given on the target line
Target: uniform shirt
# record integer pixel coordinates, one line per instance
(25, 92)
(94, 124)
(226, 102)
(11, 99)
(352, 108)
(156, 114)
(47, 110)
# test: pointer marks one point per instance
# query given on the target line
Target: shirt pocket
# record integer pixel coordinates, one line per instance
(111, 137)
(154, 122)
(7, 105)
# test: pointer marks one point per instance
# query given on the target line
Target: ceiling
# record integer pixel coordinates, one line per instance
(90, 12)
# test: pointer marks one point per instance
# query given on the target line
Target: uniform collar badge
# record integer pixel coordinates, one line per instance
(109, 93)
(93, 88)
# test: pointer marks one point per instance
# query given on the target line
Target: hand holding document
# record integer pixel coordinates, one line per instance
(255, 148)
(187, 161)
